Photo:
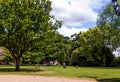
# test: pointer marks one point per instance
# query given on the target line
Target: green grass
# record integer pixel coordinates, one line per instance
(102, 74)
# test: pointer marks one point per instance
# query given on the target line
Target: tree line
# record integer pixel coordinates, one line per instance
(28, 32)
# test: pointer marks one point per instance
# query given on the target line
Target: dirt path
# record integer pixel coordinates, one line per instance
(19, 78)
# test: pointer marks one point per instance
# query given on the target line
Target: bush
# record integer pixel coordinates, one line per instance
(116, 61)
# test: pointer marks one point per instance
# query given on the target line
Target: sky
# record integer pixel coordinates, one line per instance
(76, 15)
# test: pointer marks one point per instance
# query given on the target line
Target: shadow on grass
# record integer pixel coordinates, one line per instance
(104, 80)
(21, 70)
(87, 77)
(110, 80)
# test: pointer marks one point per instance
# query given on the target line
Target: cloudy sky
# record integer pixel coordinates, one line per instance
(77, 15)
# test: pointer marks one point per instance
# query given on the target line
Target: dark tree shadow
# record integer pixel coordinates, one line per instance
(103, 80)
(21, 70)
(87, 77)
(109, 80)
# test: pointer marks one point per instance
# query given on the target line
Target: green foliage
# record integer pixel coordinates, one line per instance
(95, 46)
(57, 48)
(28, 31)
(32, 58)
(116, 61)
(107, 16)
(22, 22)
(6, 57)
(52, 46)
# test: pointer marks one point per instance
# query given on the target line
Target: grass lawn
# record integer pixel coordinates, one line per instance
(102, 74)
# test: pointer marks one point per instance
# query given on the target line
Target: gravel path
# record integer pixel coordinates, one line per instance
(19, 78)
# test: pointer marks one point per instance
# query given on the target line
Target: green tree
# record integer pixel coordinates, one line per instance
(22, 22)
(5, 57)
(95, 46)
(108, 16)
(57, 48)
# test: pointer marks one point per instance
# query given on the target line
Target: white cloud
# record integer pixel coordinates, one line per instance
(73, 12)
(69, 31)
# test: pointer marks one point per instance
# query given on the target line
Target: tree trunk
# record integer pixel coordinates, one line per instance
(17, 64)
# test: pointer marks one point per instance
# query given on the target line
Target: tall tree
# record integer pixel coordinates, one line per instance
(108, 16)
(57, 49)
(22, 22)
(94, 46)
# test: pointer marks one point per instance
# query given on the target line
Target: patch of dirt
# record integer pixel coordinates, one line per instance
(20, 78)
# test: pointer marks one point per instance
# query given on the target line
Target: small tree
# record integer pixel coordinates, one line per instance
(21, 24)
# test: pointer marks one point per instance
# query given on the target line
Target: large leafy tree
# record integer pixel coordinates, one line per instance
(108, 16)
(95, 46)
(57, 48)
(52, 48)
(22, 22)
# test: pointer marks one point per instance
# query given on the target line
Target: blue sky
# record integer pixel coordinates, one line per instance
(77, 15)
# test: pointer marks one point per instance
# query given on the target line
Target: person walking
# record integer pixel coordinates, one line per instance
(64, 65)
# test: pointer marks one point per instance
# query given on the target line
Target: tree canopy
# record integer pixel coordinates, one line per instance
(22, 22)
(28, 31)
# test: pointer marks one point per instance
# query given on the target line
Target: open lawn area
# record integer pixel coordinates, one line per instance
(101, 74)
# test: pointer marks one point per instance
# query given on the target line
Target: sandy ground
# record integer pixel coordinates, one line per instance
(19, 78)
